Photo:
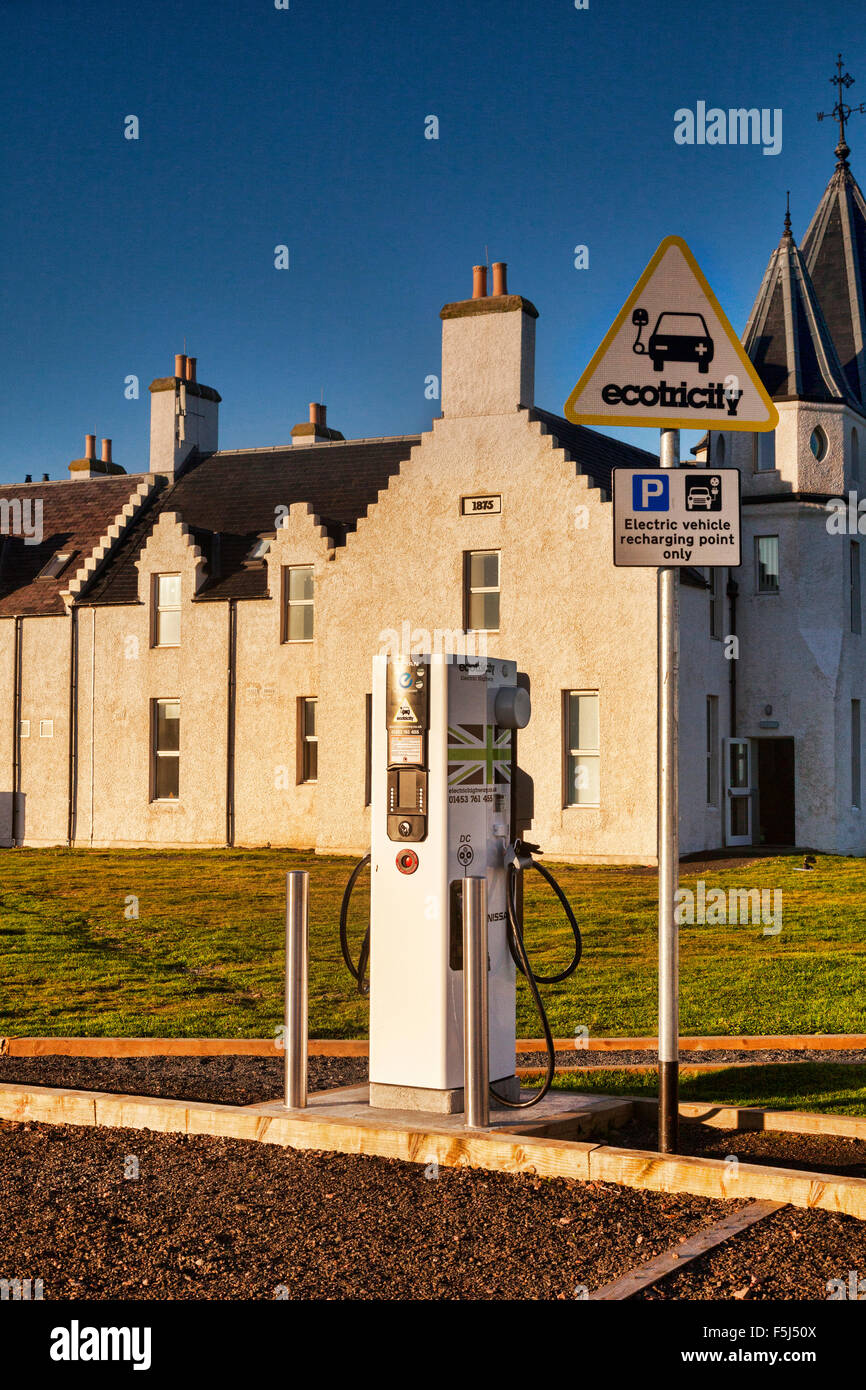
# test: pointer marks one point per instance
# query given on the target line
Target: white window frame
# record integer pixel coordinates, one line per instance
(768, 593)
(159, 608)
(571, 752)
(471, 589)
(289, 603)
(46, 728)
(157, 753)
(305, 740)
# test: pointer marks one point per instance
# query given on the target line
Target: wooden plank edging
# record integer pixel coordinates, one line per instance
(643, 1276)
(359, 1047)
(495, 1150)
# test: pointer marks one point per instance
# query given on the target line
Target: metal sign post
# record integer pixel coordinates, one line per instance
(668, 832)
(672, 359)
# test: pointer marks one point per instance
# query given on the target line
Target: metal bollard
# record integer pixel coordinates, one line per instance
(476, 1037)
(297, 969)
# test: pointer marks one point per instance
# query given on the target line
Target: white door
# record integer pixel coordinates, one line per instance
(738, 791)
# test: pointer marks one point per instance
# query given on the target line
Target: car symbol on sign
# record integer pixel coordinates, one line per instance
(699, 497)
(681, 338)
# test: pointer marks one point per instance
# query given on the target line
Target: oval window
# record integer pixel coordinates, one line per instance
(818, 442)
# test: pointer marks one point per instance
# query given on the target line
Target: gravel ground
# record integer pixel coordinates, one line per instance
(817, 1153)
(791, 1255)
(225, 1219)
(242, 1080)
(230, 1080)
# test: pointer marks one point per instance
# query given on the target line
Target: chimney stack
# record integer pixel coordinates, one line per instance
(184, 416)
(83, 470)
(317, 430)
(488, 350)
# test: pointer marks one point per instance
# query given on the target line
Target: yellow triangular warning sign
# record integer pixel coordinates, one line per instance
(671, 359)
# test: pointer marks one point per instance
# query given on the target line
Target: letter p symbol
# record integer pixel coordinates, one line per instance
(650, 492)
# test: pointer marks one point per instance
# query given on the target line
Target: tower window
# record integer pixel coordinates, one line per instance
(765, 452)
(818, 443)
(767, 564)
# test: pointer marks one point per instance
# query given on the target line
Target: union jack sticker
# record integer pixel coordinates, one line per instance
(478, 755)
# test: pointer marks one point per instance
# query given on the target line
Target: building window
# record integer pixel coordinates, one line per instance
(482, 591)
(299, 603)
(57, 564)
(854, 574)
(716, 602)
(712, 750)
(767, 564)
(166, 750)
(24, 728)
(720, 451)
(46, 728)
(855, 753)
(855, 455)
(368, 750)
(166, 627)
(308, 742)
(818, 443)
(764, 455)
(582, 748)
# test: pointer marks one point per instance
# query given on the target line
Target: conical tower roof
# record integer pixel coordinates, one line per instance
(834, 249)
(787, 336)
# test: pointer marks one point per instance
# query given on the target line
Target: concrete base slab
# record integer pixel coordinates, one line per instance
(561, 1113)
(430, 1102)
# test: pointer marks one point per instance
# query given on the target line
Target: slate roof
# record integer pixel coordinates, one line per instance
(75, 517)
(834, 248)
(596, 453)
(787, 336)
(229, 498)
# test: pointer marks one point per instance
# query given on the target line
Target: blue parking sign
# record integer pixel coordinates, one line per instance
(650, 492)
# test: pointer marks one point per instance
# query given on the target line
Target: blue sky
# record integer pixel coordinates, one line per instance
(305, 127)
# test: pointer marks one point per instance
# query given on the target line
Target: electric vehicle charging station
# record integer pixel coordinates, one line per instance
(442, 753)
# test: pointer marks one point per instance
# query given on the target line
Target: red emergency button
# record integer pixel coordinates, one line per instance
(407, 861)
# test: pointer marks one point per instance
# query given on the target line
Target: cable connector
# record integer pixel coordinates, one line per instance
(519, 854)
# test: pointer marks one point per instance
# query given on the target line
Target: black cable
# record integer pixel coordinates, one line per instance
(356, 971)
(517, 930)
(518, 951)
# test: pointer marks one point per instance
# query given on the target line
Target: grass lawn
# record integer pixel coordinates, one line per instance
(204, 955)
(824, 1087)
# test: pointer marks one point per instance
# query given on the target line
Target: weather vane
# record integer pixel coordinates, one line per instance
(841, 111)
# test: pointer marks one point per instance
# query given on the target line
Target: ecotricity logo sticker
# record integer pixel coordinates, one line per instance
(671, 358)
